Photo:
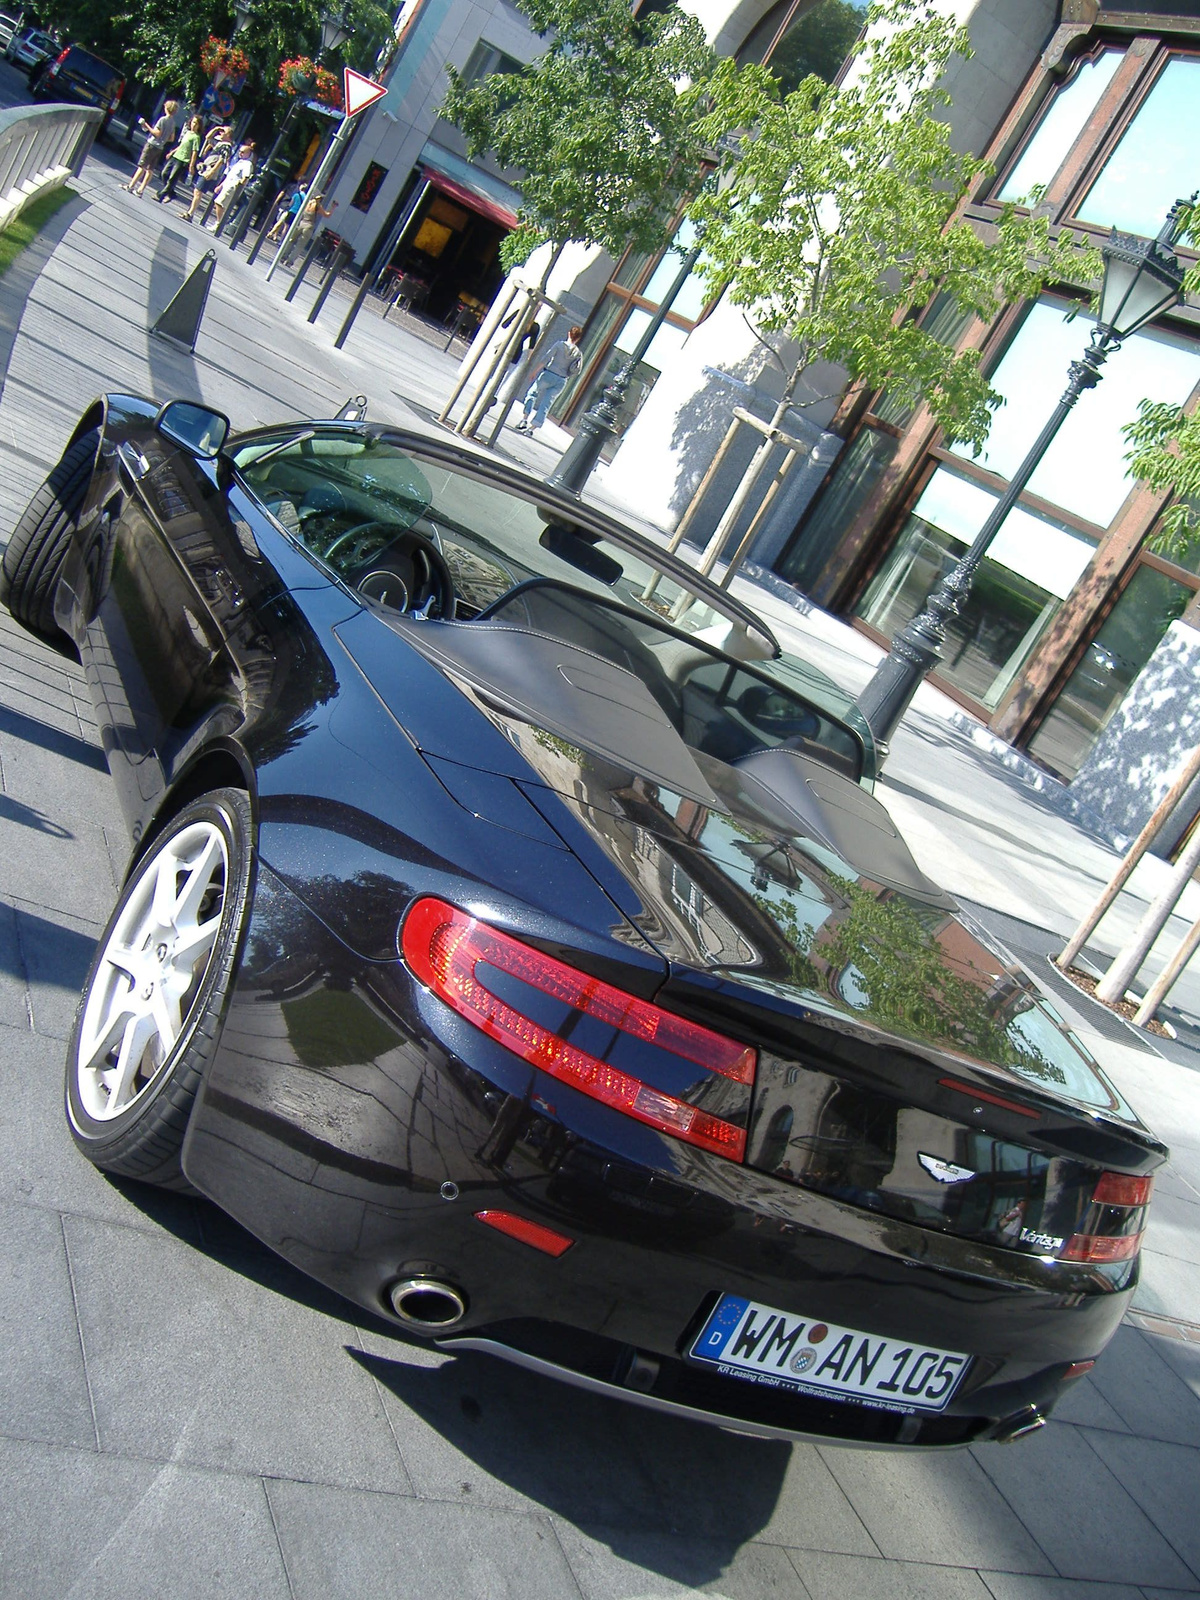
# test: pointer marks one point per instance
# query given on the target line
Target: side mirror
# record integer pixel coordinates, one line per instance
(196, 429)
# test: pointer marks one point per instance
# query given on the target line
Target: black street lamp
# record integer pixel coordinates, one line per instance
(243, 15)
(336, 28)
(1142, 279)
(599, 425)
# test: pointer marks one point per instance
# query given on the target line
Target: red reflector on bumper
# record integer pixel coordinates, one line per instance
(1077, 1369)
(544, 1239)
(442, 945)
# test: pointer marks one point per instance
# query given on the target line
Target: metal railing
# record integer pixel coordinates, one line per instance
(40, 148)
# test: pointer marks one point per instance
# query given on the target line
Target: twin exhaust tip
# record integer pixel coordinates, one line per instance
(426, 1303)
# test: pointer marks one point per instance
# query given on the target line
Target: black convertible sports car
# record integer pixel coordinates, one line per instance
(513, 942)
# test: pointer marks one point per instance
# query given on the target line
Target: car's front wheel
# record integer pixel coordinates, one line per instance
(154, 1000)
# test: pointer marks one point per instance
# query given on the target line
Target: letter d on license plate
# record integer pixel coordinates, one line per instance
(786, 1351)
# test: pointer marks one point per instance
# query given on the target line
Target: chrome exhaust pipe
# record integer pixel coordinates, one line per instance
(427, 1303)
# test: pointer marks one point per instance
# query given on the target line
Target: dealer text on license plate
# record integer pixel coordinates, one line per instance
(747, 1340)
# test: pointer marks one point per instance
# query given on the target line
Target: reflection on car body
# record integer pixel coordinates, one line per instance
(514, 942)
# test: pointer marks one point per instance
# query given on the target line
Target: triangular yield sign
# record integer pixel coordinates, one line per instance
(359, 92)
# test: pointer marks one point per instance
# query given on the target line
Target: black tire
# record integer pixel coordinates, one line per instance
(143, 1137)
(37, 548)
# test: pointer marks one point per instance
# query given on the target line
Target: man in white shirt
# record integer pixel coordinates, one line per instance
(239, 174)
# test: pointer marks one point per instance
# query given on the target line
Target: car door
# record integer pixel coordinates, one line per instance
(172, 623)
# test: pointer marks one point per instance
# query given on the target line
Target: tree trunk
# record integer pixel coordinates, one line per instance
(1127, 965)
(1135, 853)
(476, 353)
(1160, 990)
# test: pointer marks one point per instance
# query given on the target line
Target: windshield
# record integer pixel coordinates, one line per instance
(432, 538)
(90, 67)
(348, 498)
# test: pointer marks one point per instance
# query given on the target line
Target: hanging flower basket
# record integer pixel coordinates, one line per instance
(220, 58)
(300, 75)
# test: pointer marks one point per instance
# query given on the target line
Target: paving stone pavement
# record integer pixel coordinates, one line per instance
(182, 1414)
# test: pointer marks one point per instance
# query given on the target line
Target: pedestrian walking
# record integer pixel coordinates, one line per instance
(159, 135)
(289, 207)
(237, 176)
(521, 352)
(563, 360)
(182, 159)
(310, 215)
(210, 167)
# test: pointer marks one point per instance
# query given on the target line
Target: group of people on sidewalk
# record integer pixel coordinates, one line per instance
(215, 168)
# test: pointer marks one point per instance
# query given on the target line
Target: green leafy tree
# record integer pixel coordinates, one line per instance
(602, 127)
(838, 222)
(1164, 450)
(159, 41)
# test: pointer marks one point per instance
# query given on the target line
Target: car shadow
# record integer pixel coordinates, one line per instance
(640, 1482)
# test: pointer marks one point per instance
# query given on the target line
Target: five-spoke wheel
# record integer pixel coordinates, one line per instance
(153, 1001)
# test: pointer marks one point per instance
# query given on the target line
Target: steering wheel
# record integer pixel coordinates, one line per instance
(364, 546)
(407, 574)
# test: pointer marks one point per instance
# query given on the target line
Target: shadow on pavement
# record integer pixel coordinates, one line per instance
(612, 1470)
(20, 726)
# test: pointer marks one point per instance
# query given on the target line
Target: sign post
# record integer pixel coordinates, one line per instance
(358, 93)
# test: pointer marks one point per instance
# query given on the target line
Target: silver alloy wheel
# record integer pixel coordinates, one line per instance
(150, 970)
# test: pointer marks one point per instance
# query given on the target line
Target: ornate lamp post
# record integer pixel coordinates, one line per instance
(599, 424)
(1142, 279)
(336, 28)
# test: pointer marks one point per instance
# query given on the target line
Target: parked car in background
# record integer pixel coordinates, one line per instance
(29, 47)
(8, 26)
(78, 76)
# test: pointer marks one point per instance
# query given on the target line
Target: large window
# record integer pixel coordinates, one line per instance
(1048, 540)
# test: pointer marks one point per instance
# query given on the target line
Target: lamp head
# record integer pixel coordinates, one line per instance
(336, 27)
(1142, 277)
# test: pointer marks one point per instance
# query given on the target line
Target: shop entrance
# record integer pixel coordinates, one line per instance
(448, 255)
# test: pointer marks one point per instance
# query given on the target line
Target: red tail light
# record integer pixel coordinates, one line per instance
(1116, 1189)
(443, 946)
(1121, 1237)
(1099, 1248)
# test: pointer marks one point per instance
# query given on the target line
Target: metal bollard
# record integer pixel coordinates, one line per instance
(355, 308)
(339, 260)
(305, 263)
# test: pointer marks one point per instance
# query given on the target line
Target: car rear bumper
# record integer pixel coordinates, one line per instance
(357, 1127)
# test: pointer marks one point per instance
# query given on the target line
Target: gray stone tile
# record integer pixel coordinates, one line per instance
(1072, 1504)
(909, 1502)
(611, 1565)
(829, 1577)
(93, 1526)
(1084, 1404)
(39, 1164)
(65, 870)
(1169, 1285)
(1142, 1388)
(1019, 1586)
(1174, 1227)
(56, 951)
(43, 1388)
(197, 1360)
(342, 1546)
(472, 1428)
(1183, 1358)
(1164, 1479)
(787, 1490)
(16, 1010)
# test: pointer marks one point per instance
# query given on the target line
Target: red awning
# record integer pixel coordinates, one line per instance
(480, 204)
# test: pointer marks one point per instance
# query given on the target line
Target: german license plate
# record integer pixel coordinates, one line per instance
(746, 1340)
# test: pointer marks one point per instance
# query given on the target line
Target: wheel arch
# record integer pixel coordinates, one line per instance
(223, 766)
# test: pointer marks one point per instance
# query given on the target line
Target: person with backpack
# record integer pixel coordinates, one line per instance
(210, 167)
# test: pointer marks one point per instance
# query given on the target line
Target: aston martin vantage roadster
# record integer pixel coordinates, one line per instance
(512, 940)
